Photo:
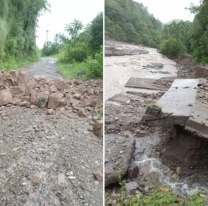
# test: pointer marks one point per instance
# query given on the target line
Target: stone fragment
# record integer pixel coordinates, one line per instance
(14, 75)
(5, 97)
(50, 111)
(30, 85)
(42, 99)
(33, 96)
(61, 85)
(61, 179)
(133, 172)
(62, 102)
(17, 90)
(77, 96)
(53, 101)
(24, 76)
(98, 128)
(178, 170)
(36, 179)
(131, 187)
(93, 103)
(164, 188)
(98, 175)
(81, 112)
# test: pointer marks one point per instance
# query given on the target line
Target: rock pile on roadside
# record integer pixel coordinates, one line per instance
(18, 88)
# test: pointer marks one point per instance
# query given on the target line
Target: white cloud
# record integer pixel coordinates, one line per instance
(64, 12)
(167, 10)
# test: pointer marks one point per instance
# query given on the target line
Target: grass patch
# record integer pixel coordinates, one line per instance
(12, 64)
(158, 198)
(73, 71)
(64, 162)
(190, 105)
(154, 106)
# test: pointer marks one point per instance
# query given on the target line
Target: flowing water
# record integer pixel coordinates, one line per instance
(118, 70)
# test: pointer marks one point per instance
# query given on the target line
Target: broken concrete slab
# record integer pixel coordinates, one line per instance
(176, 104)
(120, 98)
(143, 83)
(180, 97)
(198, 121)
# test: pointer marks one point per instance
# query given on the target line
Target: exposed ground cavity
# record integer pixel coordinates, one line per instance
(187, 151)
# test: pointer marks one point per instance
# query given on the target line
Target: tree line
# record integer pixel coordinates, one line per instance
(79, 47)
(18, 22)
(130, 21)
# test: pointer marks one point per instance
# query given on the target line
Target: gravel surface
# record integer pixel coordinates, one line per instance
(48, 160)
(46, 67)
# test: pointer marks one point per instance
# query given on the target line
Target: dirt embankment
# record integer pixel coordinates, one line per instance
(189, 69)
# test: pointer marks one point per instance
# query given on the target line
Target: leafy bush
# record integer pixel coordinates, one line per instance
(89, 69)
(75, 52)
(95, 65)
(172, 47)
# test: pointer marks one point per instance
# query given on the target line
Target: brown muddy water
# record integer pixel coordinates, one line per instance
(118, 70)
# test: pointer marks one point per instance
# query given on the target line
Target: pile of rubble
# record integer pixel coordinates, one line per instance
(18, 88)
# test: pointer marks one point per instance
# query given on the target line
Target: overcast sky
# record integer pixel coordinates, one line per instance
(167, 10)
(64, 12)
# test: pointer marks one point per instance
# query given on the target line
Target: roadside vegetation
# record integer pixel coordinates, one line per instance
(158, 198)
(80, 50)
(130, 21)
(18, 22)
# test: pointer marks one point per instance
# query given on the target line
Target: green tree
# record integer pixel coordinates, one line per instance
(97, 32)
(74, 28)
(172, 47)
(130, 21)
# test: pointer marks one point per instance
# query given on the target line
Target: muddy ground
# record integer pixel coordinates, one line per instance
(49, 159)
(165, 153)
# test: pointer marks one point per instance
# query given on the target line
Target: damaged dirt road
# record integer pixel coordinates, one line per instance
(49, 156)
(149, 153)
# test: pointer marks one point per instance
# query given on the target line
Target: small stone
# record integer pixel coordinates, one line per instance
(178, 170)
(99, 175)
(72, 178)
(33, 106)
(98, 128)
(61, 179)
(50, 111)
(36, 180)
(164, 188)
(131, 187)
(133, 172)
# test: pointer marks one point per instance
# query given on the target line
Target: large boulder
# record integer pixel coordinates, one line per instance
(30, 85)
(42, 99)
(17, 90)
(14, 75)
(53, 101)
(6, 79)
(118, 156)
(5, 97)
(24, 76)
(61, 85)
